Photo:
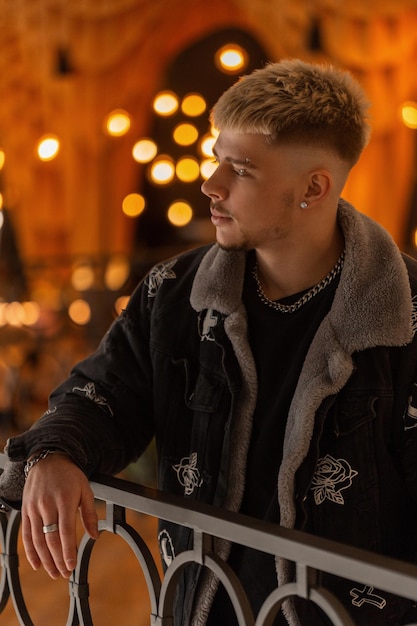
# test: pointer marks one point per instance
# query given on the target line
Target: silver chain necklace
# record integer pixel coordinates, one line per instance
(290, 308)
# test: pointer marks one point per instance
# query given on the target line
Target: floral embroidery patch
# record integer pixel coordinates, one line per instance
(414, 315)
(188, 473)
(157, 275)
(410, 415)
(166, 547)
(331, 477)
(90, 392)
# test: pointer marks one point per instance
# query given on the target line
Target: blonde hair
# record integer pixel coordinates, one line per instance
(295, 101)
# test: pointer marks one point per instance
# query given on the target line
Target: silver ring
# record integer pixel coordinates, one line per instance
(49, 528)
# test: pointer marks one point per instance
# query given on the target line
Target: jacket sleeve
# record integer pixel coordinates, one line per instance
(102, 415)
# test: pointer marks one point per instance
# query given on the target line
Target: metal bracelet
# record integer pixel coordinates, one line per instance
(41, 455)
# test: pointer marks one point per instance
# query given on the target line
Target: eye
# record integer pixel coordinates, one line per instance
(241, 171)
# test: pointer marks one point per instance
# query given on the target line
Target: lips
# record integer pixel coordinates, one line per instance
(218, 213)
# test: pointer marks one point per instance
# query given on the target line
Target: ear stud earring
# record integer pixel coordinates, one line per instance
(303, 205)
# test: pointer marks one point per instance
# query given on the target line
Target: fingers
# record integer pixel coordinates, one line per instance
(54, 491)
(44, 548)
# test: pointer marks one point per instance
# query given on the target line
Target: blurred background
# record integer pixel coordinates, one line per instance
(105, 141)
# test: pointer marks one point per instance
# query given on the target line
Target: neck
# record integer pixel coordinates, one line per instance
(285, 274)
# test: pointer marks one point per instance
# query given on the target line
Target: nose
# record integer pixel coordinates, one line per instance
(213, 187)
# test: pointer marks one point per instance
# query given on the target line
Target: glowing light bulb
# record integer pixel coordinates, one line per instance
(187, 169)
(118, 123)
(162, 171)
(133, 204)
(48, 147)
(193, 105)
(144, 150)
(409, 114)
(180, 213)
(165, 103)
(185, 134)
(231, 58)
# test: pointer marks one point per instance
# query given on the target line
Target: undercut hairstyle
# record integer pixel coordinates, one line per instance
(297, 102)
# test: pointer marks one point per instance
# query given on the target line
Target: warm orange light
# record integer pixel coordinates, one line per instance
(121, 304)
(193, 105)
(2, 158)
(82, 277)
(144, 150)
(409, 114)
(185, 134)
(231, 58)
(180, 213)
(206, 145)
(187, 169)
(117, 272)
(48, 147)
(165, 103)
(31, 313)
(162, 171)
(133, 204)
(118, 123)
(79, 312)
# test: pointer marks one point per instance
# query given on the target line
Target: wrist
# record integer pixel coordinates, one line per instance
(39, 456)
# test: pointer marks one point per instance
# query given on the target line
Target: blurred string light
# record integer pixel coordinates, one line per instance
(166, 103)
(2, 158)
(48, 147)
(83, 276)
(409, 114)
(193, 105)
(162, 170)
(117, 272)
(117, 123)
(79, 312)
(187, 169)
(231, 58)
(180, 213)
(185, 134)
(133, 204)
(121, 303)
(144, 150)
(19, 313)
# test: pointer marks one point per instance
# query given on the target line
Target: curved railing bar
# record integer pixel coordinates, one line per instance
(116, 524)
(4, 587)
(169, 583)
(331, 606)
(323, 598)
(233, 586)
(12, 567)
(222, 570)
(145, 558)
(79, 589)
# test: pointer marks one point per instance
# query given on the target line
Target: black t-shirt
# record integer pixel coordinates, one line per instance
(280, 342)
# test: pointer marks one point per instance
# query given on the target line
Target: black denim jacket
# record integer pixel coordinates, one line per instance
(177, 365)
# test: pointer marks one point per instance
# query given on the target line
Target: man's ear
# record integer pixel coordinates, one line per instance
(319, 185)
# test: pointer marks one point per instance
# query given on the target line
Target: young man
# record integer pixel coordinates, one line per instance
(282, 388)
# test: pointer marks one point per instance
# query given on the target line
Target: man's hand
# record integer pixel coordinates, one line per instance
(55, 490)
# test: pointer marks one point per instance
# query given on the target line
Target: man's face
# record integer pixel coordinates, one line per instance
(254, 191)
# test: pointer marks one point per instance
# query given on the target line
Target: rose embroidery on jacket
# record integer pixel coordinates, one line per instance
(331, 477)
(188, 474)
(157, 275)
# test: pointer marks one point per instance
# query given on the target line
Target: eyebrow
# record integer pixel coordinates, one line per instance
(246, 162)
